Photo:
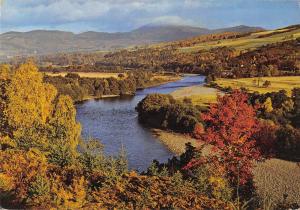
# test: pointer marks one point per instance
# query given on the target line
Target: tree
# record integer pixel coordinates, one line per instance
(4, 71)
(29, 105)
(65, 129)
(73, 76)
(30, 100)
(267, 84)
(231, 124)
(296, 100)
(288, 143)
(268, 105)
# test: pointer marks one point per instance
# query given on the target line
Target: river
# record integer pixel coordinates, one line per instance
(115, 122)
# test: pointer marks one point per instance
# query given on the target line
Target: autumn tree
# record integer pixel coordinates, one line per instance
(36, 115)
(4, 76)
(5, 71)
(296, 100)
(231, 124)
(29, 105)
(64, 132)
(267, 105)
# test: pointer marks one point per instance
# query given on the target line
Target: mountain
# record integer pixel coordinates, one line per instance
(168, 32)
(45, 41)
(240, 29)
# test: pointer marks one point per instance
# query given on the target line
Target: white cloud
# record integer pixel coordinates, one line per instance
(172, 20)
(203, 3)
(54, 11)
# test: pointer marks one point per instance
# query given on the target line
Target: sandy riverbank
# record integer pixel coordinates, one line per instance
(175, 141)
(161, 80)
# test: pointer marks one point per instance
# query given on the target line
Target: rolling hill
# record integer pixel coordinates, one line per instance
(45, 42)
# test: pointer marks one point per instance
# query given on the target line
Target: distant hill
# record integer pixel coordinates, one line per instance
(45, 42)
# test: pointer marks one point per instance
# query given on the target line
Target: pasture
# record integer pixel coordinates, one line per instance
(252, 41)
(199, 95)
(277, 83)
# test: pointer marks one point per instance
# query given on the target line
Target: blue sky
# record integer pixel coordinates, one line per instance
(125, 15)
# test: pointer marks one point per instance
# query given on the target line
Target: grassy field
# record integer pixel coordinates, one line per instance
(87, 74)
(274, 178)
(199, 94)
(249, 42)
(277, 83)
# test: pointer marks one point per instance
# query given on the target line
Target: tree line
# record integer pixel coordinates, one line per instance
(80, 88)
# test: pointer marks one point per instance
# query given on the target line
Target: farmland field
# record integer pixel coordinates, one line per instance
(199, 94)
(277, 83)
(247, 43)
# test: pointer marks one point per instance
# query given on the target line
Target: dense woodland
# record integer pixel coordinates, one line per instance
(271, 60)
(45, 164)
(163, 111)
(82, 88)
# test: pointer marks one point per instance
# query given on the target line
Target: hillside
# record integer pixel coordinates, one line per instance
(45, 42)
(228, 54)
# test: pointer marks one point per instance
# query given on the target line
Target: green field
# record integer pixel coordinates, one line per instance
(277, 83)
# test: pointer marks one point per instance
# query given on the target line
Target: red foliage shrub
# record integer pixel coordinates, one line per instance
(198, 130)
(231, 128)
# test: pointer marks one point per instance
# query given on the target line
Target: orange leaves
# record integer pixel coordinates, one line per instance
(198, 130)
(22, 168)
(134, 191)
(231, 126)
(6, 182)
(69, 197)
(29, 98)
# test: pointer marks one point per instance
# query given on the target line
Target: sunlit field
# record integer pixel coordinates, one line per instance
(199, 95)
(249, 42)
(277, 83)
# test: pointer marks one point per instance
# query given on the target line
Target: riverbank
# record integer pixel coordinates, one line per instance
(273, 178)
(161, 80)
(175, 142)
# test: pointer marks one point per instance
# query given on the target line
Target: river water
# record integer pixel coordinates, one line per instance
(115, 122)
